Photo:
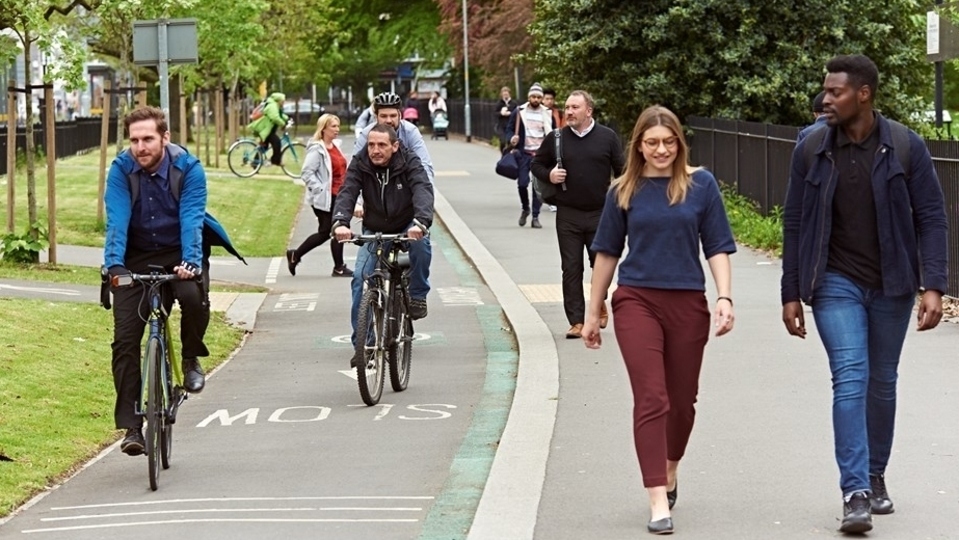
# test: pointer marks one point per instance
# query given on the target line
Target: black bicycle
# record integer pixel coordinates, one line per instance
(162, 390)
(384, 329)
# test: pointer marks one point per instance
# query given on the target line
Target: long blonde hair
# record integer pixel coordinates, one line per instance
(631, 179)
(322, 123)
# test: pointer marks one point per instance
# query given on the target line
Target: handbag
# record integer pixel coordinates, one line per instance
(508, 165)
(546, 189)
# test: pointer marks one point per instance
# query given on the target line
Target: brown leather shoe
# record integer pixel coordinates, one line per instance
(575, 331)
(603, 317)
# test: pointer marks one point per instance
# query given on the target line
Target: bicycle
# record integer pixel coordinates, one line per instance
(384, 328)
(246, 156)
(162, 390)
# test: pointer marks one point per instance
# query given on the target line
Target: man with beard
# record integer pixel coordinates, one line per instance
(592, 155)
(398, 197)
(528, 126)
(156, 215)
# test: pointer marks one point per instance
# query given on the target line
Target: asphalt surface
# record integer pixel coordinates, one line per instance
(508, 430)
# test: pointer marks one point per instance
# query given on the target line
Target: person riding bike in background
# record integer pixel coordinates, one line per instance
(266, 126)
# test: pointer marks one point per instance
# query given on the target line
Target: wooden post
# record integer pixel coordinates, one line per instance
(198, 127)
(206, 127)
(218, 119)
(183, 118)
(51, 151)
(11, 155)
(141, 96)
(104, 141)
(231, 120)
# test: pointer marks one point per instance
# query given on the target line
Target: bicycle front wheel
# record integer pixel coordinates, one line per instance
(370, 346)
(244, 158)
(401, 351)
(166, 434)
(292, 159)
(154, 409)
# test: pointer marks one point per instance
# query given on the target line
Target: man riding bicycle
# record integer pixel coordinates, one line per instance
(156, 215)
(398, 197)
(266, 126)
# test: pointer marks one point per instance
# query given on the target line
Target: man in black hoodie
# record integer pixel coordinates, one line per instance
(591, 155)
(398, 197)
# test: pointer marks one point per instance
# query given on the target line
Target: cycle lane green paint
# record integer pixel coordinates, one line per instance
(452, 512)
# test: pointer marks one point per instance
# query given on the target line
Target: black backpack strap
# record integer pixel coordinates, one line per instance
(900, 145)
(176, 175)
(559, 148)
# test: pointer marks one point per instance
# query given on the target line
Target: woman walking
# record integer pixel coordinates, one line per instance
(324, 170)
(665, 211)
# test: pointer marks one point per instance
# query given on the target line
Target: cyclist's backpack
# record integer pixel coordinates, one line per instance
(900, 145)
(258, 111)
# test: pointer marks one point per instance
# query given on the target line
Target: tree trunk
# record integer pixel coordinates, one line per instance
(31, 147)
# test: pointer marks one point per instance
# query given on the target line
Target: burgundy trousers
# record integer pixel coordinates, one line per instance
(661, 334)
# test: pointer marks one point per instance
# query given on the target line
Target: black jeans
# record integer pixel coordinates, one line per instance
(274, 140)
(130, 312)
(574, 231)
(321, 235)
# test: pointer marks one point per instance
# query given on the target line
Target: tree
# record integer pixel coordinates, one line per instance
(30, 21)
(745, 59)
(497, 32)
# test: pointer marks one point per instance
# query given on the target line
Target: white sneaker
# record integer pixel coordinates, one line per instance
(552, 207)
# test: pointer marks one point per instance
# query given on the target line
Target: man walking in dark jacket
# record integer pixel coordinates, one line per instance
(861, 236)
(504, 107)
(397, 198)
(591, 156)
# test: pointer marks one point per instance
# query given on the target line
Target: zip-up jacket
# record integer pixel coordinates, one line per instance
(389, 206)
(910, 216)
(196, 226)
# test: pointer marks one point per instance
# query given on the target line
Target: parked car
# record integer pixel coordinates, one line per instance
(304, 106)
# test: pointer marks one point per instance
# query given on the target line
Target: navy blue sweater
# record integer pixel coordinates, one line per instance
(664, 241)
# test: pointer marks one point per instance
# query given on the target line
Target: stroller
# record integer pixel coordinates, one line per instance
(440, 124)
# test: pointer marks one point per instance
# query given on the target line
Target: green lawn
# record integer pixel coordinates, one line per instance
(56, 390)
(258, 213)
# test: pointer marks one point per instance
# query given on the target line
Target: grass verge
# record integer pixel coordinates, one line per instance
(750, 226)
(87, 275)
(56, 389)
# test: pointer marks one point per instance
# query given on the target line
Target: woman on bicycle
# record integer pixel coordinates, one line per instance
(324, 170)
(266, 126)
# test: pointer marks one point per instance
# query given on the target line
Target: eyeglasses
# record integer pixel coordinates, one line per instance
(653, 144)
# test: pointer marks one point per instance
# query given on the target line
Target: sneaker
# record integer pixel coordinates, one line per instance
(879, 500)
(291, 261)
(603, 317)
(552, 207)
(355, 361)
(856, 515)
(535, 224)
(133, 443)
(417, 308)
(342, 271)
(575, 331)
(193, 377)
(522, 218)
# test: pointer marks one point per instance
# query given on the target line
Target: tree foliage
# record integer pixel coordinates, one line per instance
(746, 59)
(497, 32)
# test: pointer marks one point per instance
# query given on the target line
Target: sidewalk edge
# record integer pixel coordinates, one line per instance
(510, 502)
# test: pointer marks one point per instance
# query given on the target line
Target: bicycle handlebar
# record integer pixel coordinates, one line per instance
(360, 239)
(125, 280)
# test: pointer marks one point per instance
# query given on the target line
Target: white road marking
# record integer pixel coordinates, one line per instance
(218, 520)
(459, 296)
(351, 373)
(274, 269)
(297, 302)
(210, 510)
(248, 499)
(345, 338)
(46, 290)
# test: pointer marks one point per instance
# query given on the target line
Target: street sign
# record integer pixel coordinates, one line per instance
(942, 36)
(181, 42)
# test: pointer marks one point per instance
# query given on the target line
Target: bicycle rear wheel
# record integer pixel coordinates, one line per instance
(401, 352)
(244, 158)
(292, 159)
(370, 346)
(154, 410)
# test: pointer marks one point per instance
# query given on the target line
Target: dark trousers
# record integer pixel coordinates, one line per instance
(321, 235)
(661, 334)
(130, 312)
(522, 184)
(274, 141)
(574, 231)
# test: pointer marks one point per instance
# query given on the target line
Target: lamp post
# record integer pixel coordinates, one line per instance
(466, 72)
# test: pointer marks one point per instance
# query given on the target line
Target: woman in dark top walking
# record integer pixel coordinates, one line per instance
(665, 211)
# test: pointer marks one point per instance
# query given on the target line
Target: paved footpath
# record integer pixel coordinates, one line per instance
(759, 464)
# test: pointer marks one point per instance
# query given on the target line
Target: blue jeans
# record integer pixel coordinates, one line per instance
(522, 184)
(863, 332)
(421, 255)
